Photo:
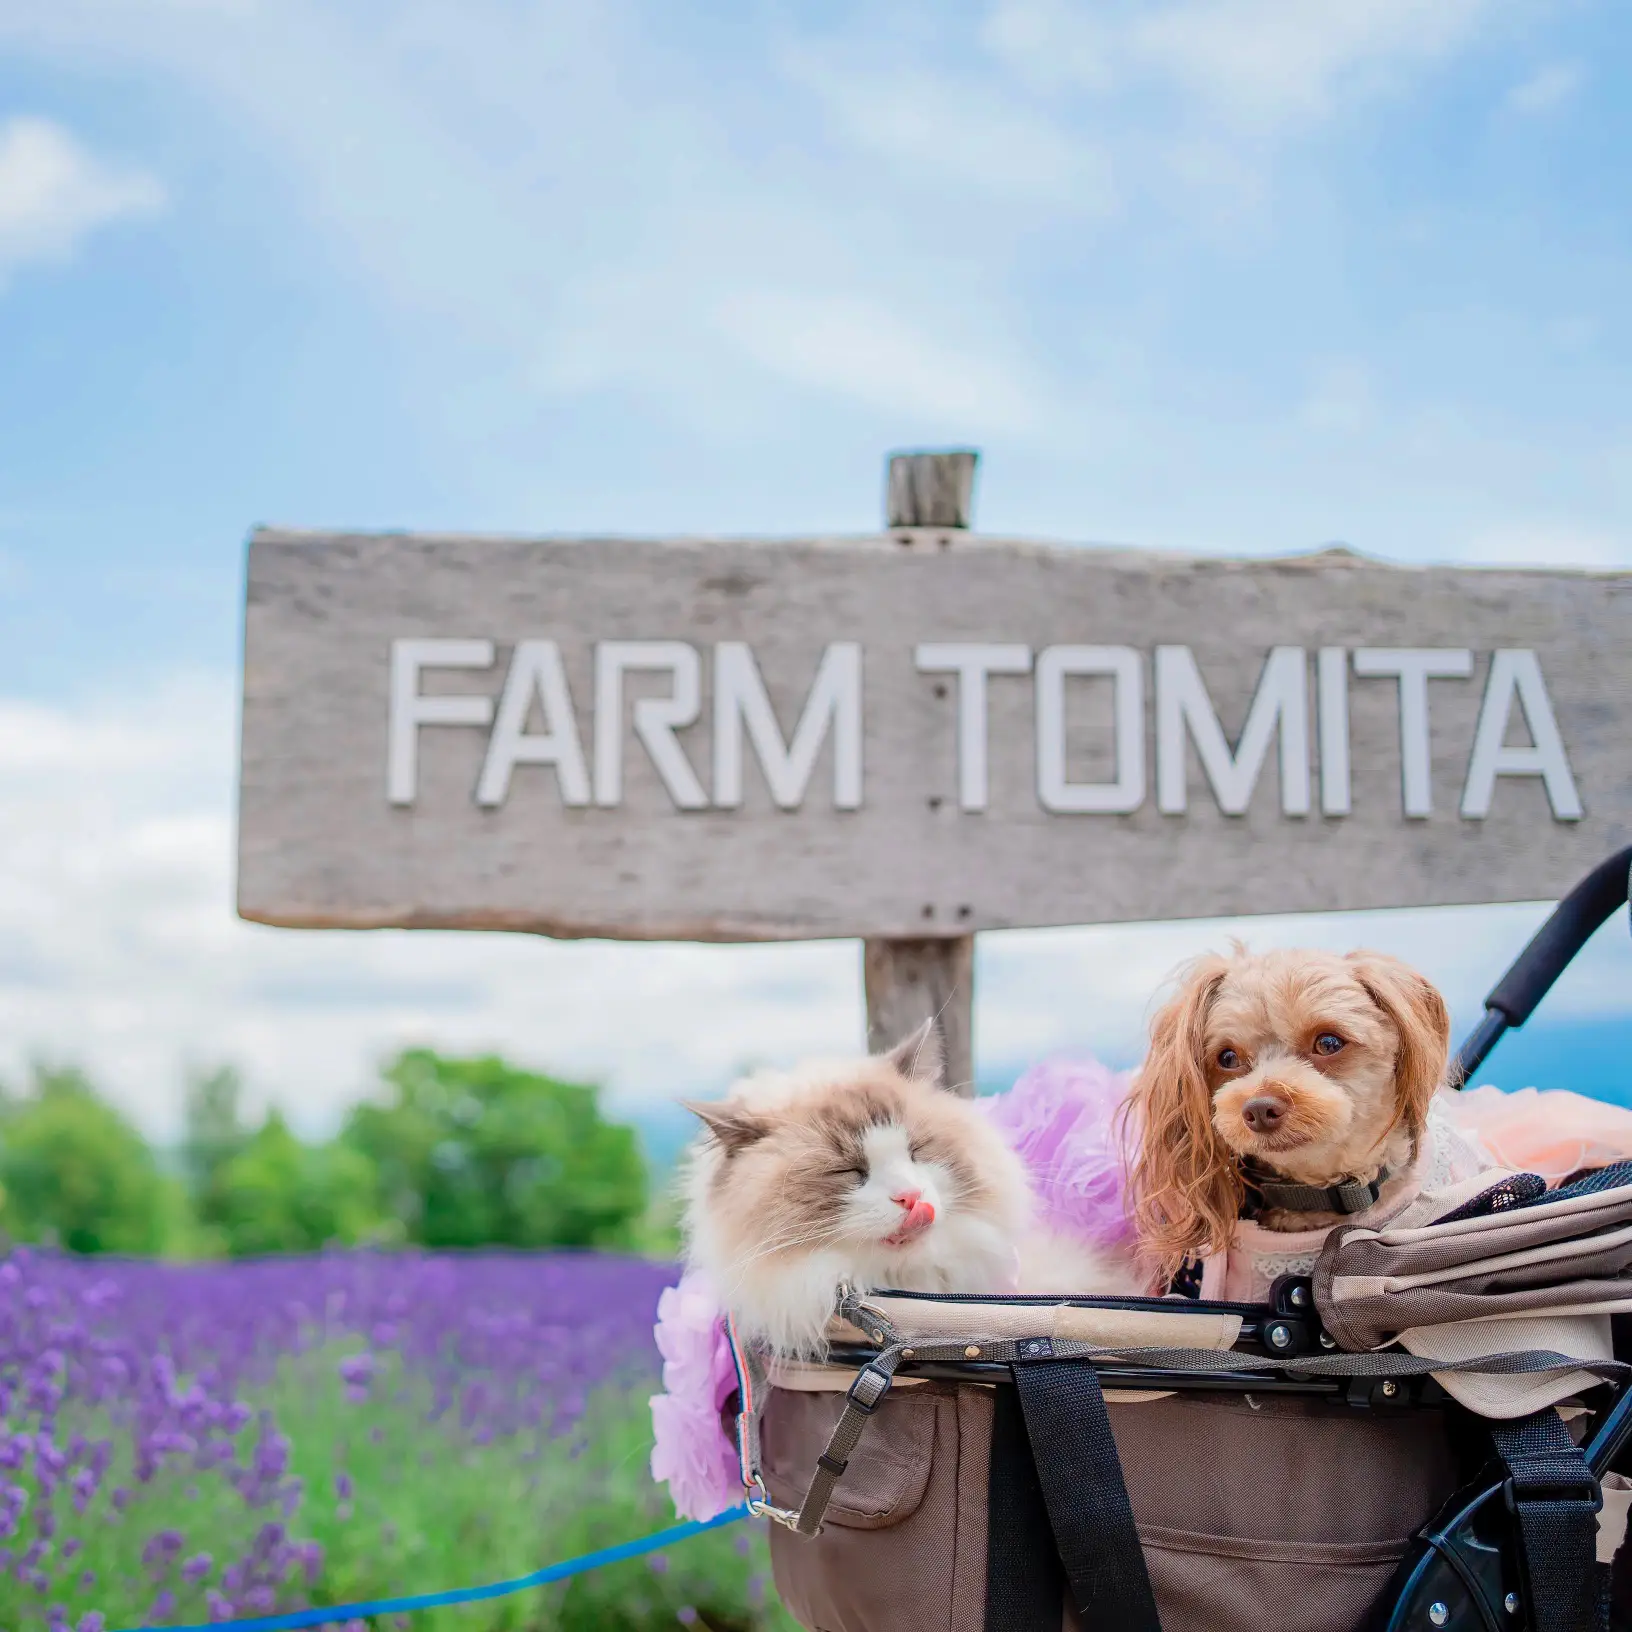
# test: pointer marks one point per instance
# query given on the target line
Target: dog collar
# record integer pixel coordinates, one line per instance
(1347, 1196)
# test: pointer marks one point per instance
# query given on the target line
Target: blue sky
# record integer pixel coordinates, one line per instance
(1213, 274)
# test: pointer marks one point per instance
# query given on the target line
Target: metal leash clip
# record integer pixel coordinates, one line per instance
(762, 1507)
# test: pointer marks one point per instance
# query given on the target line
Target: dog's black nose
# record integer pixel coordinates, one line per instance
(1263, 1112)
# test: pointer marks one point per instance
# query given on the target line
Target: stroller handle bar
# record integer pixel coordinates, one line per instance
(1574, 921)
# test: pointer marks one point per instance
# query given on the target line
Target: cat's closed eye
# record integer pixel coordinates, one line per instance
(859, 1174)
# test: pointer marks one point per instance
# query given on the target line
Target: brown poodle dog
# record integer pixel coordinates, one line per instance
(1285, 1067)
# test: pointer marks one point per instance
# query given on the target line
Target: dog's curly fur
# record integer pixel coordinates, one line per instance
(1245, 1027)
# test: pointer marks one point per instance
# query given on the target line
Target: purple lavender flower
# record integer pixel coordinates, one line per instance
(173, 1364)
(357, 1372)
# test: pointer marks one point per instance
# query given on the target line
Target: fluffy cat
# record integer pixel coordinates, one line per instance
(869, 1172)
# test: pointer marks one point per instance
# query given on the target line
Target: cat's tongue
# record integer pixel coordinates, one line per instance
(919, 1217)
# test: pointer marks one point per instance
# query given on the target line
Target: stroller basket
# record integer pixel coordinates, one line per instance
(1419, 1435)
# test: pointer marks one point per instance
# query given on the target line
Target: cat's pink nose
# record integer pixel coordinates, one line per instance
(907, 1198)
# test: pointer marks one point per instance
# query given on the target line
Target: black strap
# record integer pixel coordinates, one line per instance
(1555, 1498)
(1346, 1196)
(1024, 1587)
(1087, 1501)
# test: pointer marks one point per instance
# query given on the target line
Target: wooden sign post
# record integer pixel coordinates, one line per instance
(909, 980)
(910, 737)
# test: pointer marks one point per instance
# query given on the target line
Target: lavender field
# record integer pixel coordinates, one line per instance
(183, 1443)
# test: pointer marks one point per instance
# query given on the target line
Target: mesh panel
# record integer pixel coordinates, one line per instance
(1526, 1189)
(1518, 1190)
(1606, 1178)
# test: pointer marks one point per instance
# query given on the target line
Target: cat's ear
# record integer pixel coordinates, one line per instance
(733, 1125)
(922, 1056)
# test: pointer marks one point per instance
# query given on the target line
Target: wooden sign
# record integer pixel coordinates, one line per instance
(919, 734)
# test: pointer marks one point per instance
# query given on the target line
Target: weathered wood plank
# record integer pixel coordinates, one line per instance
(930, 489)
(935, 846)
(909, 982)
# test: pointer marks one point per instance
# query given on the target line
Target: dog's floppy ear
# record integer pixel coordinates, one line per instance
(921, 1057)
(1419, 1014)
(1186, 1188)
(731, 1124)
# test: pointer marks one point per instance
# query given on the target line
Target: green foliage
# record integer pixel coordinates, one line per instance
(472, 1152)
(75, 1173)
(216, 1130)
(461, 1153)
(278, 1195)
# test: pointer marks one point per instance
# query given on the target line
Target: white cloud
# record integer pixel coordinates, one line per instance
(1254, 63)
(1266, 64)
(881, 357)
(1549, 87)
(54, 194)
(968, 134)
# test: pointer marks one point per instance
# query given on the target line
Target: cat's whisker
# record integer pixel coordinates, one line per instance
(765, 1249)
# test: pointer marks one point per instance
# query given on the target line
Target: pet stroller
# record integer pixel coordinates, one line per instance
(1423, 1433)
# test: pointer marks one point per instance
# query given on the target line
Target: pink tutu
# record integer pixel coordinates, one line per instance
(1547, 1131)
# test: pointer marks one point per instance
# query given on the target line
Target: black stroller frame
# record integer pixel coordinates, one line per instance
(1507, 1553)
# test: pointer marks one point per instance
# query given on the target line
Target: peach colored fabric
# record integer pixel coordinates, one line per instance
(1547, 1131)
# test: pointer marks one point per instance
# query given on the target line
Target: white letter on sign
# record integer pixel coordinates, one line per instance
(535, 670)
(1332, 672)
(1054, 792)
(1517, 674)
(1415, 666)
(1282, 699)
(972, 662)
(409, 710)
(742, 705)
(656, 718)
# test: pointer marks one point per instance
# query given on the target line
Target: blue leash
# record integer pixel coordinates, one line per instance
(470, 1595)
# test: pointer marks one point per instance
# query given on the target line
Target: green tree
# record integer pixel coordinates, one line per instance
(74, 1172)
(216, 1131)
(279, 1195)
(475, 1151)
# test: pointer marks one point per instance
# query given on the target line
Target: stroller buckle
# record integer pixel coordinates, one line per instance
(871, 1384)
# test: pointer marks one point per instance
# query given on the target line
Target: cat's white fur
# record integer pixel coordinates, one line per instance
(747, 1233)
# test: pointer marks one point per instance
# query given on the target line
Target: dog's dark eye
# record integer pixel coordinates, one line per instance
(1328, 1042)
(1229, 1059)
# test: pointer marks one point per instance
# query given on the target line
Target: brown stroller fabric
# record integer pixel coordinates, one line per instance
(908, 1540)
(1542, 1273)
(916, 1504)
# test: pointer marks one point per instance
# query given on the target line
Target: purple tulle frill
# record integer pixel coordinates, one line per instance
(1060, 1118)
(691, 1451)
